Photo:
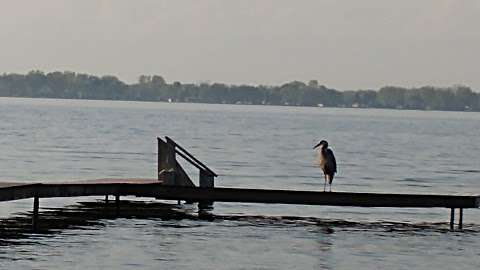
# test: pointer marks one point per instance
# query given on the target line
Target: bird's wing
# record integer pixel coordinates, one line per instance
(331, 157)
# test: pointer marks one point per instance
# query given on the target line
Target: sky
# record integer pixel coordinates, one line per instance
(343, 44)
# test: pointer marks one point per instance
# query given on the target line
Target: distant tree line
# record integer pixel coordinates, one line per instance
(70, 85)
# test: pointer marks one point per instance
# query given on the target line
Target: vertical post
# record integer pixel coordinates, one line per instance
(159, 153)
(170, 158)
(206, 181)
(166, 162)
(106, 198)
(170, 162)
(452, 219)
(36, 205)
(117, 205)
(460, 219)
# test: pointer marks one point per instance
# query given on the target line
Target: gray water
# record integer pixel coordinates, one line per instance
(255, 147)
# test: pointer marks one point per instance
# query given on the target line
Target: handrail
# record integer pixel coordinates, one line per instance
(190, 158)
(192, 162)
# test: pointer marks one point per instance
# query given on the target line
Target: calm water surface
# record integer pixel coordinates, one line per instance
(254, 147)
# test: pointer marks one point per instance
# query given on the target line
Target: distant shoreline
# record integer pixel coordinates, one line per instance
(273, 106)
(71, 85)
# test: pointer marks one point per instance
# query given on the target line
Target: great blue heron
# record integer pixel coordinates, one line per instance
(327, 162)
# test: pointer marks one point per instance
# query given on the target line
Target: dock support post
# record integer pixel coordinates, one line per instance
(166, 162)
(206, 181)
(162, 164)
(106, 198)
(117, 205)
(36, 205)
(452, 219)
(460, 219)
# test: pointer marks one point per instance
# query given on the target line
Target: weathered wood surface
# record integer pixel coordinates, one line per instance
(16, 191)
(22, 190)
(152, 188)
(12, 184)
(310, 197)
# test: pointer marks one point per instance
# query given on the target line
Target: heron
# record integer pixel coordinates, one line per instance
(327, 163)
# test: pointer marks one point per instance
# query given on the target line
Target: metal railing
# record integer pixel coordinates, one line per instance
(190, 158)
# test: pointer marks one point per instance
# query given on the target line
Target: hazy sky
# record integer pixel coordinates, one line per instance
(343, 44)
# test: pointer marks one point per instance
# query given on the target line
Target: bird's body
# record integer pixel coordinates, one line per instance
(327, 163)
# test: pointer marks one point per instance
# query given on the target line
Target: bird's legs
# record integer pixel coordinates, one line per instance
(328, 178)
(325, 185)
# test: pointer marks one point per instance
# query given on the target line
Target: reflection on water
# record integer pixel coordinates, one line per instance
(83, 215)
(92, 215)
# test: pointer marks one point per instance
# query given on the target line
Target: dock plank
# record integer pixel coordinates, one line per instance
(311, 197)
(12, 184)
(16, 191)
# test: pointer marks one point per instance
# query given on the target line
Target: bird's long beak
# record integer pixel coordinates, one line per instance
(316, 145)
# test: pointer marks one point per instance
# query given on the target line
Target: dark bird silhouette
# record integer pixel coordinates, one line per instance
(327, 163)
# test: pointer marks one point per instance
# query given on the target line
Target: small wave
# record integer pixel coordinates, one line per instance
(387, 226)
(465, 171)
(414, 180)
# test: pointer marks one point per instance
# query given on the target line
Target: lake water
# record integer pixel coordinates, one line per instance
(255, 147)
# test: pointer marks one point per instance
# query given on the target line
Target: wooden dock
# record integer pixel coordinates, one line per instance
(174, 184)
(151, 188)
(154, 189)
